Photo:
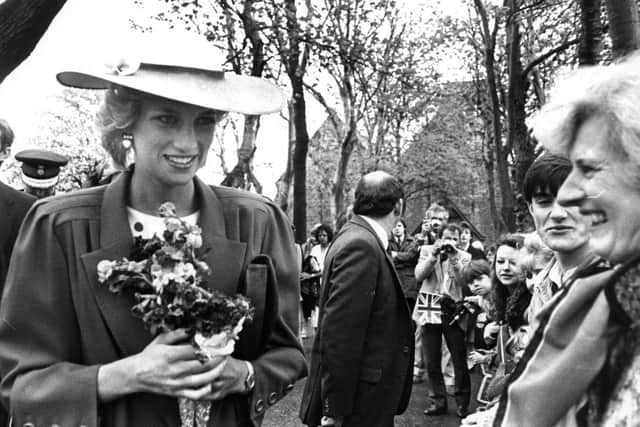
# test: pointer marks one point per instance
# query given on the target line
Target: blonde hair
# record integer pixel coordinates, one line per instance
(611, 92)
(534, 252)
(119, 111)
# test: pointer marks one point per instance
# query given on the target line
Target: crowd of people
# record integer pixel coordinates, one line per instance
(550, 318)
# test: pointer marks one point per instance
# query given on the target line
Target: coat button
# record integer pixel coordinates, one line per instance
(259, 406)
(405, 349)
(273, 398)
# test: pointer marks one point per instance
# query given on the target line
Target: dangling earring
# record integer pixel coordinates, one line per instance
(127, 144)
(127, 140)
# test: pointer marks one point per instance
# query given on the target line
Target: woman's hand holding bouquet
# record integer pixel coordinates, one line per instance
(195, 328)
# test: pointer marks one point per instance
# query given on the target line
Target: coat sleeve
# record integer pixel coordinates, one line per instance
(43, 381)
(351, 285)
(408, 254)
(282, 362)
(426, 263)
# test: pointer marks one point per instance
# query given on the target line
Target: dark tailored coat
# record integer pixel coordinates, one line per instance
(405, 263)
(58, 325)
(362, 356)
(14, 205)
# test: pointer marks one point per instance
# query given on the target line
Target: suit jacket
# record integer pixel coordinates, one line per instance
(59, 324)
(362, 355)
(14, 206)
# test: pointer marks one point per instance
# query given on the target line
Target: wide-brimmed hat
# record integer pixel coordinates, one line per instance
(179, 66)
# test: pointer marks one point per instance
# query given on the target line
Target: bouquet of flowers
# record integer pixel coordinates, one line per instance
(166, 275)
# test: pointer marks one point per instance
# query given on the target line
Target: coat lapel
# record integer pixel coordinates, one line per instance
(116, 242)
(225, 258)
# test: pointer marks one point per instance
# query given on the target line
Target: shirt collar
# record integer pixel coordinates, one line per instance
(383, 236)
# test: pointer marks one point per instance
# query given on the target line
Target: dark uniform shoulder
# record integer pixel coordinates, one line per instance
(10, 194)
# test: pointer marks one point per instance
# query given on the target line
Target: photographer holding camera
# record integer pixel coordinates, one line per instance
(439, 270)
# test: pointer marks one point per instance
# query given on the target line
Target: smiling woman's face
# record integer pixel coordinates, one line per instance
(171, 141)
(604, 186)
(508, 269)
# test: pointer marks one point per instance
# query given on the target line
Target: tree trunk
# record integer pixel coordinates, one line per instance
(502, 167)
(283, 185)
(518, 141)
(591, 32)
(624, 26)
(251, 123)
(242, 174)
(300, 160)
(22, 24)
(347, 146)
(489, 165)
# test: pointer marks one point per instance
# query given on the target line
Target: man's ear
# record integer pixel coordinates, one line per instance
(530, 208)
(398, 209)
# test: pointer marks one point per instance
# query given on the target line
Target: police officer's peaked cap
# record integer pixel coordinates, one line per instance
(40, 168)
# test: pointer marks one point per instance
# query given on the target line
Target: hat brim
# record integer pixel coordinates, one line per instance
(209, 89)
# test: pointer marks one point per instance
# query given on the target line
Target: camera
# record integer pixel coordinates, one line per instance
(462, 308)
(446, 249)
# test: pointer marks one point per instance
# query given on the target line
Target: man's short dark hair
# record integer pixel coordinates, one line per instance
(452, 227)
(475, 269)
(376, 194)
(545, 175)
(6, 135)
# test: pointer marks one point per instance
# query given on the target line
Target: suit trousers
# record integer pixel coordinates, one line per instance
(455, 339)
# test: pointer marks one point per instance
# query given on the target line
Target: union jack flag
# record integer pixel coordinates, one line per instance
(427, 308)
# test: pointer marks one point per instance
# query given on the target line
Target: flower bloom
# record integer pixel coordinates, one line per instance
(105, 269)
(194, 238)
(172, 224)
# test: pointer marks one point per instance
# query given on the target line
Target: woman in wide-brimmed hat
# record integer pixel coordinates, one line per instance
(70, 351)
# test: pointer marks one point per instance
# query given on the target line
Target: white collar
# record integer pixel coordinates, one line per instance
(146, 226)
(383, 236)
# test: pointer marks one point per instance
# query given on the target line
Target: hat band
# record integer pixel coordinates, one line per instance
(39, 183)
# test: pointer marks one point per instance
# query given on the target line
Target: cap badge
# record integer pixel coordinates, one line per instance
(40, 171)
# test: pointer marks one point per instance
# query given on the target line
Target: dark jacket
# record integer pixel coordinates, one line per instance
(14, 205)
(405, 263)
(59, 324)
(362, 356)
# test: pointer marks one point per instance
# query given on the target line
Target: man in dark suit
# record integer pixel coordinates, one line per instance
(14, 205)
(362, 358)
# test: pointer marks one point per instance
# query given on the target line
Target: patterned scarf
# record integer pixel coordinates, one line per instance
(566, 353)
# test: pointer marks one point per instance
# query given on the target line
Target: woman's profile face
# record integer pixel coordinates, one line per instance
(171, 141)
(603, 184)
(507, 265)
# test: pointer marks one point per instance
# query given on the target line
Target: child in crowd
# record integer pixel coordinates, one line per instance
(477, 275)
